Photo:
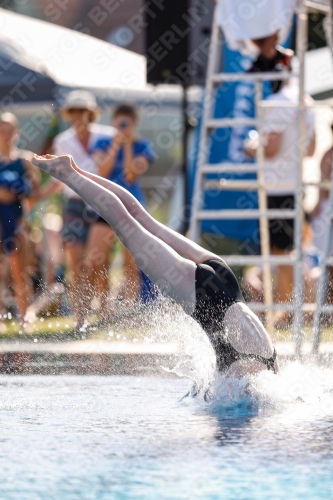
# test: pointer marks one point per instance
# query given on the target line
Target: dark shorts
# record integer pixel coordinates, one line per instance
(10, 219)
(78, 219)
(281, 231)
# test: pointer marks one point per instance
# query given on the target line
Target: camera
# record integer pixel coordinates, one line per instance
(124, 124)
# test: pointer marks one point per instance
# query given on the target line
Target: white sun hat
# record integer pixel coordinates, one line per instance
(80, 99)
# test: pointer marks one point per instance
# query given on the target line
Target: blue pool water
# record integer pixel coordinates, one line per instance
(80, 438)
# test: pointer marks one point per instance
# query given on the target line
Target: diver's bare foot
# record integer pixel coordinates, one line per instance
(59, 167)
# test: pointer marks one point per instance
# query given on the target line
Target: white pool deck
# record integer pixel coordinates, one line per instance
(102, 357)
(114, 347)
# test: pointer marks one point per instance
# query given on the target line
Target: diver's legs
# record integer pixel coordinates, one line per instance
(174, 274)
(183, 246)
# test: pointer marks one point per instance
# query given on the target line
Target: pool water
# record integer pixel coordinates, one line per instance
(71, 438)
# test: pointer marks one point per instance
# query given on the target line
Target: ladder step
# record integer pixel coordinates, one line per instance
(245, 260)
(268, 104)
(317, 7)
(262, 307)
(325, 309)
(225, 184)
(250, 184)
(229, 168)
(244, 214)
(232, 185)
(215, 123)
(286, 306)
(249, 77)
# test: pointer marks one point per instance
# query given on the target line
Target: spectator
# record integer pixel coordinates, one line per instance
(123, 159)
(83, 234)
(264, 24)
(281, 145)
(18, 179)
(259, 27)
(321, 213)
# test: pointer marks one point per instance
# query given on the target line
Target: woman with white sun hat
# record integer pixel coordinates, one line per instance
(82, 234)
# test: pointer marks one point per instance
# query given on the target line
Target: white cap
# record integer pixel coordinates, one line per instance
(245, 331)
(9, 118)
(80, 99)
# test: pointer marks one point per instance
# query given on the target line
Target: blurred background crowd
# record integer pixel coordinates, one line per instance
(71, 240)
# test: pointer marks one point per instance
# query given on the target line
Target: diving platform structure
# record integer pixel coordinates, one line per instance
(203, 183)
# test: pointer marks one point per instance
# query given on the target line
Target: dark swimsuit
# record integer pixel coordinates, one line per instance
(217, 289)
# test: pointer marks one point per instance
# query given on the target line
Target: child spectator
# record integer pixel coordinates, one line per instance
(18, 179)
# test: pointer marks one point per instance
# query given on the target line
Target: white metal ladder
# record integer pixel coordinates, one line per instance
(213, 79)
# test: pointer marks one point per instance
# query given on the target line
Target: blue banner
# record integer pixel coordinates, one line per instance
(227, 145)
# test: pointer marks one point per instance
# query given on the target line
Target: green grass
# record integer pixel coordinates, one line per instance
(55, 328)
(50, 327)
(286, 335)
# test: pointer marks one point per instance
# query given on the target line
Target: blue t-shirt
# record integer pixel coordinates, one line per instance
(141, 147)
(12, 177)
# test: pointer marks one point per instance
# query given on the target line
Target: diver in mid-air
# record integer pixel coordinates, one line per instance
(198, 280)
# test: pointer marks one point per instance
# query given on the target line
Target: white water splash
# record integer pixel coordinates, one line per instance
(165, 322)
(299, 392)
(297, 386)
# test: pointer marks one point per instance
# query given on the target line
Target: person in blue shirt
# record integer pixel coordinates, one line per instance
(18, 180)
(123, 159)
